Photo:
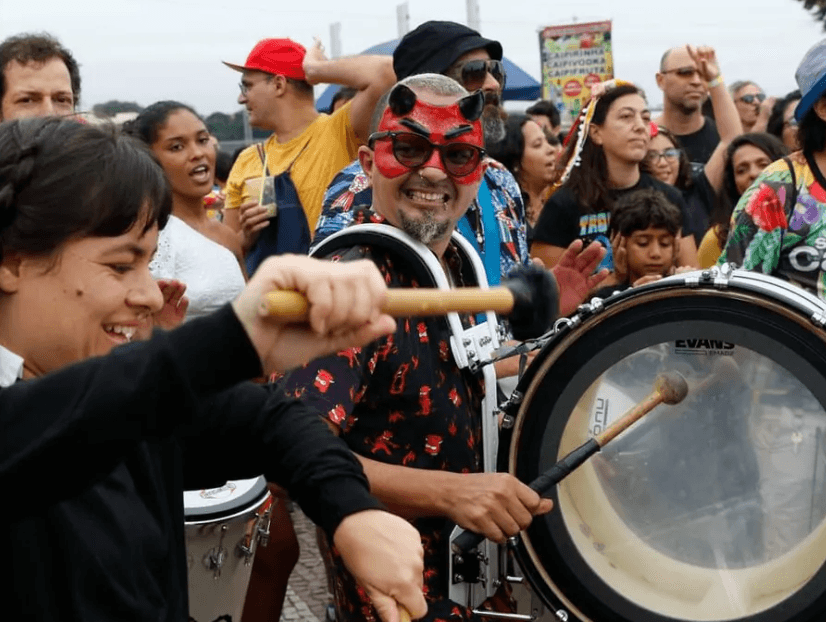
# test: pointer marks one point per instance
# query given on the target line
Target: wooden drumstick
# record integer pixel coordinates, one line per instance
(669, 388)
(530, 299)
(404, 616)
(293, 307)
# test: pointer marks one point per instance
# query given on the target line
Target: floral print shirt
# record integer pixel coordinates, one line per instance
(351, 188)
(401, 400)
(779, 225)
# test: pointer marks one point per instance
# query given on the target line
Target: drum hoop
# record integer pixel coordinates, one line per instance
(758, 293)
(250, 499)
(571, 332)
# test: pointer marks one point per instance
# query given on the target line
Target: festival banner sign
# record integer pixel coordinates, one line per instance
(574, 57)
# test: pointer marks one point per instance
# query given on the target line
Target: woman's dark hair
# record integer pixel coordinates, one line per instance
(643, 208)
(684, 179)
(589, 180)
(728, 196)
(774, 126)
(62, 180)
(152, 118)
(546, 108)
(509, 150)
(345, 93)
(811, 133)
(223, 166)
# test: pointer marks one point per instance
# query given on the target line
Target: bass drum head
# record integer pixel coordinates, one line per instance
(709, 510)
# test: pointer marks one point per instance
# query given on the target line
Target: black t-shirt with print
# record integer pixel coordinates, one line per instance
(699, 199)
(701, 144)
(563, 220)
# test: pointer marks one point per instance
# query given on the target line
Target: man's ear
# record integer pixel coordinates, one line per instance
(279, 85)
(366, 160)
(659, 77)
(10, 274)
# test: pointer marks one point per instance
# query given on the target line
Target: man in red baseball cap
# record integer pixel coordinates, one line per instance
(306, 149)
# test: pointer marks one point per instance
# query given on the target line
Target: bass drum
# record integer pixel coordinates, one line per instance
(708, 510)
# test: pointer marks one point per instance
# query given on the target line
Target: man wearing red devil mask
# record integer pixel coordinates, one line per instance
(425, 158)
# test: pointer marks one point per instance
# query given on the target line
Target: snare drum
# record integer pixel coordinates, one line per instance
(223, 528)
(709, 510)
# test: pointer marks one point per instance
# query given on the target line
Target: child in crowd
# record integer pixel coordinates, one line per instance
(644, 232)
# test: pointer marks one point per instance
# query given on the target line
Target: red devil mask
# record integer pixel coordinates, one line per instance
(414, 134)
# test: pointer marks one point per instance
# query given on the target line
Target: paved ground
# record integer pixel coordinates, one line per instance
(307, 595)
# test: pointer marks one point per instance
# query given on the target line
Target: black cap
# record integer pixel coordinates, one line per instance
(434, 46)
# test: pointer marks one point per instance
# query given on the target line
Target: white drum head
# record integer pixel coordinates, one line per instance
(209, 504)
(710, 510)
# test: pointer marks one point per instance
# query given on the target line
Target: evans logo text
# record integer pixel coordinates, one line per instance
(704, 346)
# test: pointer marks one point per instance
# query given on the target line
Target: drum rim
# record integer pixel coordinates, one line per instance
(231, 508)
(761, 294)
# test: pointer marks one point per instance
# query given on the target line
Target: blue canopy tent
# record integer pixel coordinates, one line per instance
(518, 85)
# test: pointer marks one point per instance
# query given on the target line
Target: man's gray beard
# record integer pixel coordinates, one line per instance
(493, 125)
(425, 229)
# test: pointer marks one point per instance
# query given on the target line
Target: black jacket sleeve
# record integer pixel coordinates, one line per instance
(73, 425)
(250, 430)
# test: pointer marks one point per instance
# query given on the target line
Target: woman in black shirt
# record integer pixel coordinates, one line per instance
(601, 163)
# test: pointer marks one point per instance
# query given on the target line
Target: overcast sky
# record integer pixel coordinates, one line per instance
(146, 50)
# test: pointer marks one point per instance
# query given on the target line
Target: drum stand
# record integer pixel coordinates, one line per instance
(477, 575)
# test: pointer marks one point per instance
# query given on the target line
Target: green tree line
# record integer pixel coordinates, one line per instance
(221, 125)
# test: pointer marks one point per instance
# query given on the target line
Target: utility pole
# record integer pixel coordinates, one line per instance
(247, 127)
(335, 40)
(403, 18)
(473, 19)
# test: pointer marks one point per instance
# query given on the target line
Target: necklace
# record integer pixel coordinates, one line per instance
(478, 225)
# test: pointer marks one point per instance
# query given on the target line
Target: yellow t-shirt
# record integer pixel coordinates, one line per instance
(325, 147)
(709, 251)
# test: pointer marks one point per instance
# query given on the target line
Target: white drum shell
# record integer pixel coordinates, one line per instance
(216, 592)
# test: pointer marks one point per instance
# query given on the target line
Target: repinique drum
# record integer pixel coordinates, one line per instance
(712, 509)
(223, 528)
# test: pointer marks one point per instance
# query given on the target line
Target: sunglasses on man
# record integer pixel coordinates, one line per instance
(683, 72)
(753, 98)
(473, 73)
(413, 151)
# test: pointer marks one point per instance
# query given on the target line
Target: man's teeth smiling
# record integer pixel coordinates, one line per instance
(126, 331)
(427, 197)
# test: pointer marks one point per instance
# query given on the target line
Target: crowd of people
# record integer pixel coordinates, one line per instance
(132, 340)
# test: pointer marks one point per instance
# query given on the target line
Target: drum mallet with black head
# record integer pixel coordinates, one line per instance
(530, 299)
(669, 388)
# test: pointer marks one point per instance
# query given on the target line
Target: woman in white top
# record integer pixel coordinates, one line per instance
(201, 252)
(205, 255)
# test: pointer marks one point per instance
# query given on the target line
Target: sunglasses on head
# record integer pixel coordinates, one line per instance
(752, 98)
(474, 72)
(413, 151)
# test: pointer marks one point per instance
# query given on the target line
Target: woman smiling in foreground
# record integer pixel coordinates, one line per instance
(103, 539)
